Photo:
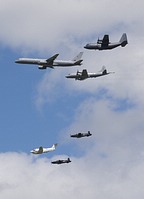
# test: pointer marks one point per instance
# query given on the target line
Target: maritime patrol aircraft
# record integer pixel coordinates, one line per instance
(61, 161)
(84, 74)
(80, 135)
(41, 150)
(51, 62)
(104, 44)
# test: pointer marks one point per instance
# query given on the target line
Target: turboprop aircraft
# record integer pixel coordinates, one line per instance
(41, 150)
(61, 161)
(80, 135)
(84, 74)
(51, 62)
(104, 44)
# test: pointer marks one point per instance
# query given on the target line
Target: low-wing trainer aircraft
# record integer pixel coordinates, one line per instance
(84, 74)
(41, 150)
(61, 161)
(104, 44)
(51, 62)
(80, 135)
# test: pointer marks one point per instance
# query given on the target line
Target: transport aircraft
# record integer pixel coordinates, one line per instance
(51, 62)
(105, 44)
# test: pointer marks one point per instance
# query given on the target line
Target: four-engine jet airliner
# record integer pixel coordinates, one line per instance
(84, 74)
(61, 161)
(51, 62)
(80, 135)
(41, 150)
(104, 44)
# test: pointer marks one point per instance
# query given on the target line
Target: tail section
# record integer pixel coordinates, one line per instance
(54, 146)
(123, 40)
(78, 57)
(89, 134)
(103, 70)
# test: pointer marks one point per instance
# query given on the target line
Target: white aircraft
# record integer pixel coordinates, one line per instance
(51, 62)
(84, 74)
(41, 150)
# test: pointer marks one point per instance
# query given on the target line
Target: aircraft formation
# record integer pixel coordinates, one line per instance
(52, 62)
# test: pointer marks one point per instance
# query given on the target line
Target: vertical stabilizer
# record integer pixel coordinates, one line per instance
(78, 57)
(54, 146)
(124, 40)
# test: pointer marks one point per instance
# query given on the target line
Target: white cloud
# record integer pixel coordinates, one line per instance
(57, 24)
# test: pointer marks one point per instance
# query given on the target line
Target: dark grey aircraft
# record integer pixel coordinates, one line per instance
(80, 135)
(104, 44)
(84, 74)
(61, 161)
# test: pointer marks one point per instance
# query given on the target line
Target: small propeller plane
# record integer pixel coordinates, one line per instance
(41, 150)
(51, 62)
(80, 135)
(61, 161)
(104, 44)
(84, 74)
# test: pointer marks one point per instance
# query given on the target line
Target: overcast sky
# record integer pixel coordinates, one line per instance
(42, 107)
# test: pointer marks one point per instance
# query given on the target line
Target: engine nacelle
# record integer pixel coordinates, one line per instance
(41, 67)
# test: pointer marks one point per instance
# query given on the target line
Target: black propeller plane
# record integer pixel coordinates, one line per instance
(61, 161)
(80, 135)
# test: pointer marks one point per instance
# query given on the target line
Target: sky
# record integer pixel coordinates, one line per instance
(42, 107)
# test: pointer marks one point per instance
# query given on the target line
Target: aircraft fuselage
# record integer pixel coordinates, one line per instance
(80, 135)
(61, 161)
(96, 46)
(90, 75)
(43, 62)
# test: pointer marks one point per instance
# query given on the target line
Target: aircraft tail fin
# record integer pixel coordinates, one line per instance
(78, 57)
(89, 133)
(103, 70)
(123, 40)
(54, 145)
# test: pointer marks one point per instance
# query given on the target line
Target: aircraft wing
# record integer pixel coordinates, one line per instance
(84, 73)
(105, 40)
(51, 59)
(40, 149)
(79, 135)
